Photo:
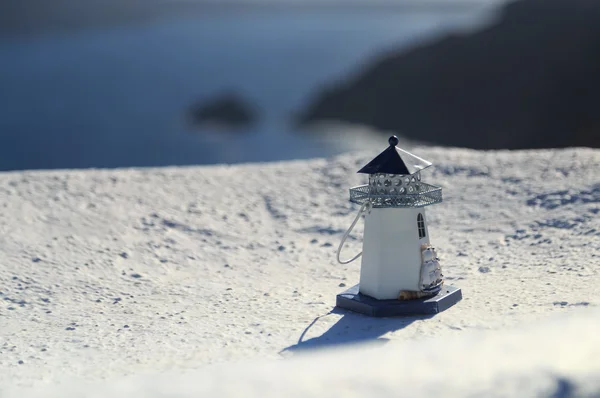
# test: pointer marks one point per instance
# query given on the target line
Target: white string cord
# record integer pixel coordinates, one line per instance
(363, 209)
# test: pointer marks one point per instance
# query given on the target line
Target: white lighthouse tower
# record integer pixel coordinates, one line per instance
(399, 266)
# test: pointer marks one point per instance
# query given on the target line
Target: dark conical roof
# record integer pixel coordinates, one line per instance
(395, 161)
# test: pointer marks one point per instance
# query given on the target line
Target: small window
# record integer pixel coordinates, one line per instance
(421, 226)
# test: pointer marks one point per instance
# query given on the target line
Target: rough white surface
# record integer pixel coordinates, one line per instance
(529, 362)
(109, 273)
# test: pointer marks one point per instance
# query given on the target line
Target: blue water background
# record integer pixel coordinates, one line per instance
(117, 96)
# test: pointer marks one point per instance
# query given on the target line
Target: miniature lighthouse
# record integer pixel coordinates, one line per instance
(400, 270)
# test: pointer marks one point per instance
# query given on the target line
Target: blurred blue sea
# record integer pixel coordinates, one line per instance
(117, 96)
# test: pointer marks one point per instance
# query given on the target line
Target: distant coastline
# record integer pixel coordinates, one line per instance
(528, 80)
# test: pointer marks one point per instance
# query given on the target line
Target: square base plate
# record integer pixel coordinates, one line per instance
(352, 300)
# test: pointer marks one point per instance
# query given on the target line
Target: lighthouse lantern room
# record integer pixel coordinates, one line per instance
(400, 270)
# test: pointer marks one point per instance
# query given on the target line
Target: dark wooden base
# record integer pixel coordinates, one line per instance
(352, 300)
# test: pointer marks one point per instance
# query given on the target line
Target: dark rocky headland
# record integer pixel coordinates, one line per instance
(529, 80)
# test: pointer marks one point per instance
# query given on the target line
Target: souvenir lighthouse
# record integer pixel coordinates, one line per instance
(400, 271)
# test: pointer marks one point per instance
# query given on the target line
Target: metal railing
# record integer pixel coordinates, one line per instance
(427, 195)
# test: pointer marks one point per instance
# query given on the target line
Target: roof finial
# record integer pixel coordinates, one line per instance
(393, 140)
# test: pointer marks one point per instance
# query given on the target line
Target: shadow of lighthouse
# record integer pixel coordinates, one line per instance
(352, 328)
